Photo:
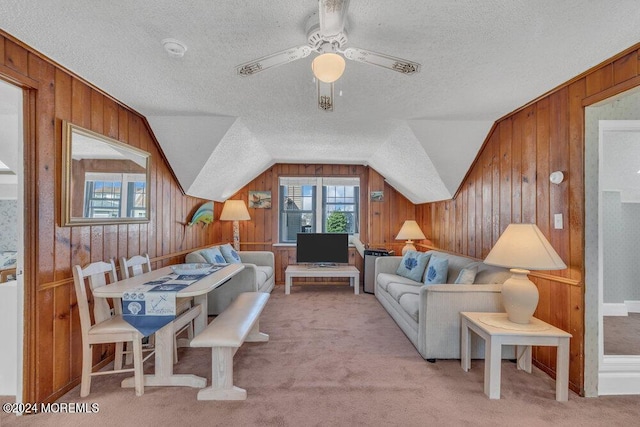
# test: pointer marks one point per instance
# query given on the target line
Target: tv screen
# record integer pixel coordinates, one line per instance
(322, 248)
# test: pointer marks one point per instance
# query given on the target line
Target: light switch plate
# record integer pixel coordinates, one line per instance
(557, 221)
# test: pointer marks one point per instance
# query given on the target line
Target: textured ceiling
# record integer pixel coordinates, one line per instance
(480, 61)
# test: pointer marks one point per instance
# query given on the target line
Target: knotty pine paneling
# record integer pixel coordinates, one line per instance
(509, 182)
(53, 340)
(379, 221)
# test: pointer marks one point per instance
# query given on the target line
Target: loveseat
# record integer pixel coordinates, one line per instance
(430, 314)
(257, 276)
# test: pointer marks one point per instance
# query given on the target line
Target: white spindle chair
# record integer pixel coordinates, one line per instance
(106, 327)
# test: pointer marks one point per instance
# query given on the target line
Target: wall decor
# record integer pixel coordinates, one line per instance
(203, 215)
(377, 196)
(260, 199)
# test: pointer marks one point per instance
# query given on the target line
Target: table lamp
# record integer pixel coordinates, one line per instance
(522, 247)
(409, 231)
(235, 210)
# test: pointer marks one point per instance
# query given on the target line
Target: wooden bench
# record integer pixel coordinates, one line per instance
(238, 323)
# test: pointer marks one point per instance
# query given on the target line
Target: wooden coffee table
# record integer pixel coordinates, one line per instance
(330, 271)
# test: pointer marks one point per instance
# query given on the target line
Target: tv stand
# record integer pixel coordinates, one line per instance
(314, 271)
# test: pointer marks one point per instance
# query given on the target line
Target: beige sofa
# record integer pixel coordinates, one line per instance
(257, 276)
(430, 314)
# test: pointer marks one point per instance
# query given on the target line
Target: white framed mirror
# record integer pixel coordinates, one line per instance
(104, 181)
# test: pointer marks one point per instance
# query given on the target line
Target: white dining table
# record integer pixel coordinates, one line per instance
(163, 374)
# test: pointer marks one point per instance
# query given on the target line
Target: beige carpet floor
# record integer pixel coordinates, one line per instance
(338, 359)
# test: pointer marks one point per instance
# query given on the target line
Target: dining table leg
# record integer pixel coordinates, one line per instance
(163, 375)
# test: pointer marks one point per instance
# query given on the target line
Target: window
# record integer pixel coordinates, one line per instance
(318, 205)
(115, 195)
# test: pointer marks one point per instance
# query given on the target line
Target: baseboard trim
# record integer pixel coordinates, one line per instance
(619, 375)
(614, 309)
(632, 306)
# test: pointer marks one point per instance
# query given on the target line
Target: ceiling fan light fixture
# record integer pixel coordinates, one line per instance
(328, 67)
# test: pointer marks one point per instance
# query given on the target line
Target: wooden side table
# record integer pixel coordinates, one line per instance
(497, 330)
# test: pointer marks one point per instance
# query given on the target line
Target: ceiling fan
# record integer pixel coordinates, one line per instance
(327, 35)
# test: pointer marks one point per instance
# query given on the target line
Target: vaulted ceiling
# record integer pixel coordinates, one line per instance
(480, 60)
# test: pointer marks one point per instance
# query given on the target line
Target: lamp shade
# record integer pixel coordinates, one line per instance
(328, 67)
(410, 231)
(234, 210)
(524, 246)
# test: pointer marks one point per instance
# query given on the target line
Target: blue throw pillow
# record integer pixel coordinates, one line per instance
(213, 255)
(468, 274)
(230, 254)
(437, 271)
(413, 264)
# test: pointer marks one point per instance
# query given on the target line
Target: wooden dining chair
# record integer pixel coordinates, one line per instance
(106, 327)
(139, 264)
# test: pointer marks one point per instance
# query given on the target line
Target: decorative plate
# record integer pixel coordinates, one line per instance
(193, 268)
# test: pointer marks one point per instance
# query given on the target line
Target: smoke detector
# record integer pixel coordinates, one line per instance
(174, 47)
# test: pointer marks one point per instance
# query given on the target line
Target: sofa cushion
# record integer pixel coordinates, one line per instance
(468, 274)
(413, 264)
(230, 254)
(385, 278)
(262, 274)
(411, 304)
(213, 255)
(437, 270)
(396, 290)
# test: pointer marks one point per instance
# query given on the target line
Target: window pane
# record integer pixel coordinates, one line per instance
(340, 209)
(102, 199)
(297, 211)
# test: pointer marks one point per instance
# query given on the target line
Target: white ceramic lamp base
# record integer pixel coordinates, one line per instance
(408, 247)
(519, 296)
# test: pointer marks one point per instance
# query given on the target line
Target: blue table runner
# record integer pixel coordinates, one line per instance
(152, 305)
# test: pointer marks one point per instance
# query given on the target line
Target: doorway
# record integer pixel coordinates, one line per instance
(612, 208)
(11, 239)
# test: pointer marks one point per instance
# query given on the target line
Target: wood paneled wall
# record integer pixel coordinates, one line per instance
(379, 223)
(509, 182)
(52, 341)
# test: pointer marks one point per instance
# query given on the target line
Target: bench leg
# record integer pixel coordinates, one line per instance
(222, 387)
(255, 335)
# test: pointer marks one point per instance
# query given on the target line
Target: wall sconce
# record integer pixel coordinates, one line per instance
(556, 177)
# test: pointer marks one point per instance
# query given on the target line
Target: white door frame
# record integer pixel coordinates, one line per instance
(616, 374)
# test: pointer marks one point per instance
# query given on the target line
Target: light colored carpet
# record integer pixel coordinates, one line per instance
(337, 359)
(622, 334)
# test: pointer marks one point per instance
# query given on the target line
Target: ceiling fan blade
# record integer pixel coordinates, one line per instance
(333, 17)
(283, 57)
(325, 96)
(392, 63)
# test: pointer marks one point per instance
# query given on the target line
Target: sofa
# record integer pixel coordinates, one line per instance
(429, 315)
(257, 276)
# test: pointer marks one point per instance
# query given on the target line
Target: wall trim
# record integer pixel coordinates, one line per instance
(619, 375)
(633, 306)
(614, 309)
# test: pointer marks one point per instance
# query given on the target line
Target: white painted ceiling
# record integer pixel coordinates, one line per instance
(480, 60)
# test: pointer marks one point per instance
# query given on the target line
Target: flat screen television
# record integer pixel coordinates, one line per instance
(322, 248)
